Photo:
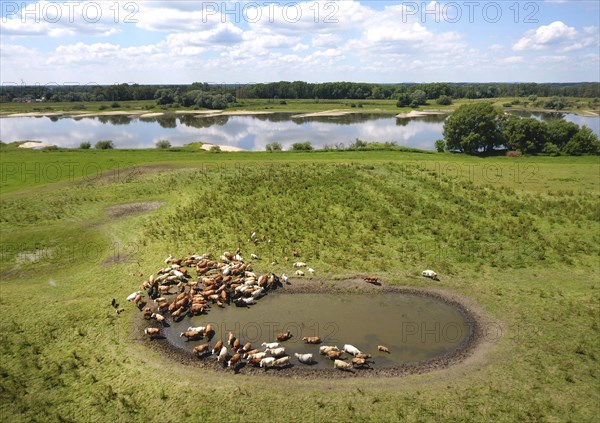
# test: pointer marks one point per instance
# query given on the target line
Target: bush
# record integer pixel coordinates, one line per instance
(283, 102)
(444, 100)
(163, 144)
(215, 149)
(584, 142)
(403, 100)
(86, 145)
(104, 145)
(275, 146)
(114, 105)
(555, 103)
(302, 146)
(358, 144)
(440, 146)
(551, 149)
(102, 107)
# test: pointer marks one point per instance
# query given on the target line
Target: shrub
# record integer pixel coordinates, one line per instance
(444, 100)
(358, 144)
(102, 107)
(104, 145)
(163, 144)
(551, 149)
(275, 146)
(215, 149)
(114, 105)
(86, 145)
(555, 103)
(440, 146)
(302, 146)
(584, 142)
(403, 100)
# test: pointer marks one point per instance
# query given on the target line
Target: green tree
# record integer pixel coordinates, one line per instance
(163, 144)
(274, 146)
(526, 134)
(419, 97)
(551, 149)
(444, 100)
(584, 142)
(403, 100)
(561, 131)
(104, 145)
(302, 146)
(473, 127)
(556, 103)
(86, 145)
(164, 96)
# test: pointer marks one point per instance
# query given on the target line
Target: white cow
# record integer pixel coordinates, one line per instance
(430, 274)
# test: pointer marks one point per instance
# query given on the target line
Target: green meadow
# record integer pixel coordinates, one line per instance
(518, 238)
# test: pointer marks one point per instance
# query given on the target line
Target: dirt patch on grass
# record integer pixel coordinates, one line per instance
(125, 210)
(484, 334)
(125, 174)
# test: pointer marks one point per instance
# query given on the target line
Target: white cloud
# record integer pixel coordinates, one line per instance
(325, 40)
(512, 60)
(222, 34)
(553, 59)
(557, 36)
(54, 19)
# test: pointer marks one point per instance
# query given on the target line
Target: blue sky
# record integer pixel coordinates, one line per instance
(106, 42)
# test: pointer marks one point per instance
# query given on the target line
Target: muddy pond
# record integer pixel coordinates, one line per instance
(415, 328)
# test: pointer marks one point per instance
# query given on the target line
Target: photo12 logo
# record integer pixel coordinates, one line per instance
(70, 12)
(470, 11)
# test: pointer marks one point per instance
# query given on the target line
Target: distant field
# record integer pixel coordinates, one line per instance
(291, 105)
(517, 237)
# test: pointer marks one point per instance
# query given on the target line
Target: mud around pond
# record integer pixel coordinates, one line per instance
(424, 329)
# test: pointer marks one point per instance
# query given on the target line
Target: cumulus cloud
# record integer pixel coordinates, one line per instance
(557, 36)
(54, 19)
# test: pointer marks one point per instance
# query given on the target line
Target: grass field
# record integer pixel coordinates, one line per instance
(520, 238)
(578, 105)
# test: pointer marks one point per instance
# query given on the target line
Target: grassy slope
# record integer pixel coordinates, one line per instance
(525, 249)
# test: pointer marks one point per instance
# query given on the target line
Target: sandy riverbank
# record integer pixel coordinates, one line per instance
(226, 148)
(421, 113)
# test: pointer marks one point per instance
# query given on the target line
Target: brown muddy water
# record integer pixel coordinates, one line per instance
(415, 328)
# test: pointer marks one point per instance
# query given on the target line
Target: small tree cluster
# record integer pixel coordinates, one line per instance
(274, 146)
(479, 127)
(104, 145)
(302, 146)
(163, 144)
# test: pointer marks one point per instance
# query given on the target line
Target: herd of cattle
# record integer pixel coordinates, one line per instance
(223, 282)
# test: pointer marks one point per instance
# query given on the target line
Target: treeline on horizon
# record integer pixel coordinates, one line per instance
(283, 90)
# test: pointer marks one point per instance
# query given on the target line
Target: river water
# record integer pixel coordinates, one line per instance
(248, 132)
